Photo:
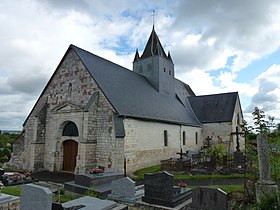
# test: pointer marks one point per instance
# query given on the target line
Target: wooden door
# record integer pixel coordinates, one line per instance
(70, 150)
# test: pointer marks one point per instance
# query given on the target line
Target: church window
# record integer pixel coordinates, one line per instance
(196, 138)
(70, 89)
(184, 138)
(165, 138)
(169, 72)
(164, 69)
(70, 129)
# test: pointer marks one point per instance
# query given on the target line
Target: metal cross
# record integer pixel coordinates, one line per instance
(237, 133)
(181, 154)
(154, 14)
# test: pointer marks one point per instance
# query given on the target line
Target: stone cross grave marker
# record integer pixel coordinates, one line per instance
(34, 197)
(237, 133)
(209, 199)
(264, 185)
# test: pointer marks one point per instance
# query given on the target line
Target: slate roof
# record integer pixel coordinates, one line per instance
(132, 94)
(153, 47)
(214, 108)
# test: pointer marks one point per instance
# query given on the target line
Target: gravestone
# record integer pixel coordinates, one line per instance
(91, 203)
(8, 201)
(124, 190)
(159, 190)
(209, 199)
(265, 185)
(34, 197)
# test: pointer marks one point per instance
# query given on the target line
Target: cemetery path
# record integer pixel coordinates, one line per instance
(56, 177)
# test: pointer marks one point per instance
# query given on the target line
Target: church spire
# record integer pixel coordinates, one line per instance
(136, 57)
(153, 47)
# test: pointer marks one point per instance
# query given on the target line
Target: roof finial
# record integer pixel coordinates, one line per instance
(154, 14)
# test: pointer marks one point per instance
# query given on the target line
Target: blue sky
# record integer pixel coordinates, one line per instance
(217, 46)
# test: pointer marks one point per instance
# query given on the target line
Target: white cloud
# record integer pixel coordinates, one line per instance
(267, 97)
(203, 37)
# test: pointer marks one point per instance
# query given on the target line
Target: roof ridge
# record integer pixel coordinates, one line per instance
(215, 94)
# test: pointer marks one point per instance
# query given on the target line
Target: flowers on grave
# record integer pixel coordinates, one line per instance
(96, 170)
(182, 184)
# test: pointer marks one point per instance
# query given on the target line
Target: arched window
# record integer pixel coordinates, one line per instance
(70, 129)
(196, 138)
(165, 138)
(184, 138)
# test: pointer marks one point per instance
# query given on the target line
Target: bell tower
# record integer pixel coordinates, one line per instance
(156, 66)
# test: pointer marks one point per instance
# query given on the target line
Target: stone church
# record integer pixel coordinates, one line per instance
(93, 112)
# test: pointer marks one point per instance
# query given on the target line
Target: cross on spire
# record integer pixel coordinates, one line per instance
(154, 14)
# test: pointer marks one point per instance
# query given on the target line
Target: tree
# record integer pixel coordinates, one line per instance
(259, 121)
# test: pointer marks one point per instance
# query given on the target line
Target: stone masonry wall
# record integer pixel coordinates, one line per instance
(94, 138)
(144, 142)
(221, 132)
(67, 93)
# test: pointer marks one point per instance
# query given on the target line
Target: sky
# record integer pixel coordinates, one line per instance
(217, 46)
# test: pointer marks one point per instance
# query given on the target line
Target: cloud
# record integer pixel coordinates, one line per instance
(267, 97)
(247, 30)
(210, 42)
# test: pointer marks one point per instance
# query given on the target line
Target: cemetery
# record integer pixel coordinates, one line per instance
(209, 179)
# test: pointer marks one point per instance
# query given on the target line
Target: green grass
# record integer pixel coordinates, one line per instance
(229, 188)
(214, 176)
(140, 173)
(11, 190)
(16, 190)
(65, 198)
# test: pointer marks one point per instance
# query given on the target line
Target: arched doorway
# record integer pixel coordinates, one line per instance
(70, 151)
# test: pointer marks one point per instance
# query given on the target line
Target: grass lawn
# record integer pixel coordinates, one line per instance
(11, 190)
(16, 190)
(139, 174)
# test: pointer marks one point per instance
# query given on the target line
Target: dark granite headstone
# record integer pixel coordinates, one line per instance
(159, 190)
(159, 185)
(209, 199)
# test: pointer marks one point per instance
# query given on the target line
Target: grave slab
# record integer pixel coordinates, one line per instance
(100, 183)
(8, 200)
(93, 203)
